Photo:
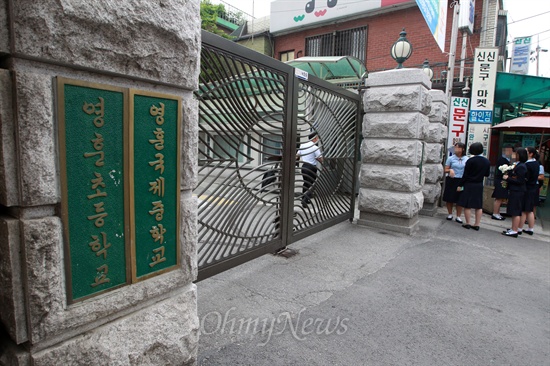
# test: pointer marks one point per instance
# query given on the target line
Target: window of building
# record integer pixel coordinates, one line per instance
(272, 147)
(351, 42)
(287, 56)
(224, 148)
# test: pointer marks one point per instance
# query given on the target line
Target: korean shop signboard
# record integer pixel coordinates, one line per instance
(458, 121)
(483, 85)
(521, 52)
(479, 132)
(108, 147)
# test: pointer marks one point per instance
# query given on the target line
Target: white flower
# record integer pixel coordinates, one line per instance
(505, 167)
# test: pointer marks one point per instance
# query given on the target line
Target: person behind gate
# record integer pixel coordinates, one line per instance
(310, 154)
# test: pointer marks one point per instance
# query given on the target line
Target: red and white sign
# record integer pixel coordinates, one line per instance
(458, 121)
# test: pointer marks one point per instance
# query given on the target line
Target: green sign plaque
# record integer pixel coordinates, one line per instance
(92, 122)
(156, 175)
(120, 158)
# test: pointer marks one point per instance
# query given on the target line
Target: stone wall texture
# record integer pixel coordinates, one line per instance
(393, 151)
(9, 185)
(153, 46)
(11, 282)
(38, 175)
(435, 152)
(398, 204)
(4, 34)
(166, 334)
(154, 40)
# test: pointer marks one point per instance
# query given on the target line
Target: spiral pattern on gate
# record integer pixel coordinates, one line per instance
(255, 123)
(333, 119)
(241, 129)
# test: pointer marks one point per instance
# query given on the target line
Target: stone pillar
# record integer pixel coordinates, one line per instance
(396, 104)
(152, 46)
(435, 152)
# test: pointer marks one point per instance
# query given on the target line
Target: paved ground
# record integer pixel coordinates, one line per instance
(358, 296)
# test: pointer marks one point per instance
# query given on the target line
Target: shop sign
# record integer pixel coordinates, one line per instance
(483, 85)
(479, 132)
(458, 121)
(521, 51)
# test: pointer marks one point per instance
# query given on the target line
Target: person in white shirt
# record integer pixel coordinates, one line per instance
(310, 155)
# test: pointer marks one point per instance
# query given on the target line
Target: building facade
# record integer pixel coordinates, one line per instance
(368, 35)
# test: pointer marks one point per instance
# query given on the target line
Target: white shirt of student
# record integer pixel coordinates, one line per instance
(309, 152)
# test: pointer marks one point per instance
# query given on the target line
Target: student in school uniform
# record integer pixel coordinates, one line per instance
(501, 193)
(471, 185)
(454, 166)
(516, 186)
(531, 192)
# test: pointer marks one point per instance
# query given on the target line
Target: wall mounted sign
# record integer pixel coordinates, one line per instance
(483, 85)
(435, 15)
(156, 177)
(286, 15)
(104, 142)
(521, 52)
(458, 121)
(479, 132)
(466, 16)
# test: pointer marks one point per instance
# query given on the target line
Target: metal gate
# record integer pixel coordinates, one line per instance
(253, 115)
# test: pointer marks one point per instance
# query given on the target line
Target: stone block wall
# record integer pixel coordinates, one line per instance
(435, 152)
(144, 45)
(395, 125)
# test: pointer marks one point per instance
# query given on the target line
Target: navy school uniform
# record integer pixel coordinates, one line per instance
(500, 191)
(516, 187)
(476, 168)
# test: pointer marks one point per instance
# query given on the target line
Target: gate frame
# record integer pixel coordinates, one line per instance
(288, 178)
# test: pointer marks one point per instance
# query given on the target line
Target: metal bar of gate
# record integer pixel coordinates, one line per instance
(239, 88)
(244, 97)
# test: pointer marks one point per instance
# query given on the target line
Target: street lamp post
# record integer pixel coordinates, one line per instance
(401, 50)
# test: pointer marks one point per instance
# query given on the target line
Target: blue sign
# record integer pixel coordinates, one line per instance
(481, 116)
(435, 14)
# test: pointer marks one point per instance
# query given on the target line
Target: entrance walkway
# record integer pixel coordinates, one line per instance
(357, 296)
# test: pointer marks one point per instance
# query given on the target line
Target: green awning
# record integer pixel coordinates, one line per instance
(515, 89)
(331, 67)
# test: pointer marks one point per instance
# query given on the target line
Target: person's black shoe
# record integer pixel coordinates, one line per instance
(500, 218)
(467, 226)
(529, 232)
(476, 228)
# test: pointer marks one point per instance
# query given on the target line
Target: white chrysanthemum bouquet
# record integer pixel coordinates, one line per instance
(505, 168)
